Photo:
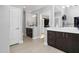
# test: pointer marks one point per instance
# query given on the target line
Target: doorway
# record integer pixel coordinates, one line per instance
(44, 23)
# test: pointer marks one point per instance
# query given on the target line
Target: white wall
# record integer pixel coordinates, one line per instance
(4, 29)
(30, 19)
(71, 13)
(58, 13)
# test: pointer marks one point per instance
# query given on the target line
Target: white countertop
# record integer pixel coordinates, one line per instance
(30, 27)
(65, 29)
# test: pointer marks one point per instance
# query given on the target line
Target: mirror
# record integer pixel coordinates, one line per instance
(46, 20)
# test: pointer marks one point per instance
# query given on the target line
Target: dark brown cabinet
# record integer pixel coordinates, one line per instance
(68, 42)
(29, 32)
(52, 38)
(75, 43)
(59, 40)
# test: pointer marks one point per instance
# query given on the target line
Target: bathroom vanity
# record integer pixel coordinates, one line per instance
(29, 32)
(65, 39)
(33, 32)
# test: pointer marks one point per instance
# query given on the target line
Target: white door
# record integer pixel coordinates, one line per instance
(16, 35)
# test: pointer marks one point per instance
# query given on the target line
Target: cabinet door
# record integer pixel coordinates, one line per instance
(60, 40)
(67, 42)
(72, 45)
(51, 38)
(75, 43)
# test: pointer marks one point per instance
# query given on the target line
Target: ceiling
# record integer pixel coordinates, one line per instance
(30, 8)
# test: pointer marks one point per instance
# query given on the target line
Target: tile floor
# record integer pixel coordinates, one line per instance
(33, 46)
